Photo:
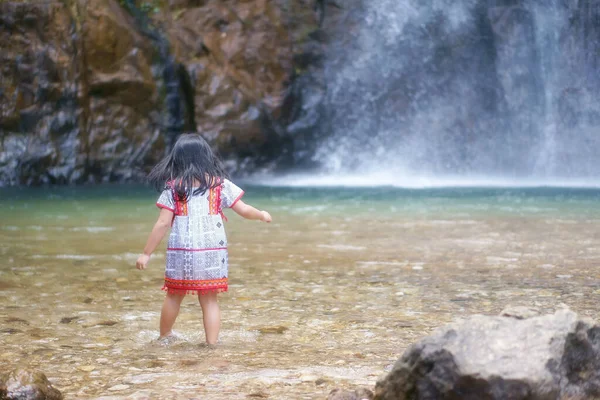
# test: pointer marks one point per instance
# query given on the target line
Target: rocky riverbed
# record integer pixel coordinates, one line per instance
(328, 296)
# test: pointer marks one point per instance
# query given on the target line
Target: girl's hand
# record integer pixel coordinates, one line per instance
(266, 217)
(142, 262)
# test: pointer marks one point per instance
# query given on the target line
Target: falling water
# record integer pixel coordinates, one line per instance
(465, 89)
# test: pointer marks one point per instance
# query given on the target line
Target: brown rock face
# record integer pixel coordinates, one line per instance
(239, 55)
(122, 99)
(97, 90)
(38, 94)
(79, 100)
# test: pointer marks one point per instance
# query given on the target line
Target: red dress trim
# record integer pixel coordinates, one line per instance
(237, 199)
(219, 190)
(165, 207)
(177, 286)
(181, 207)
(214, 200)
(182, 249)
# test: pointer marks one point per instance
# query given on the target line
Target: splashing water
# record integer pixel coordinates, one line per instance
(464, 91)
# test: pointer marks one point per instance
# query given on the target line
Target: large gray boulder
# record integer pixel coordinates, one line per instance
(24, 384)
(515, 356)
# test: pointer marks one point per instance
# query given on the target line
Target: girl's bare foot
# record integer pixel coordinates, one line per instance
(168, 339)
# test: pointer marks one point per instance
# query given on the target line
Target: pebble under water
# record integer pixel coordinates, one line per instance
(328, 295)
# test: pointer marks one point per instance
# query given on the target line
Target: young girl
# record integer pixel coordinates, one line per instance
(195, 189)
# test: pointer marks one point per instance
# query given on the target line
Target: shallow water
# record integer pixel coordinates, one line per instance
(327, 296)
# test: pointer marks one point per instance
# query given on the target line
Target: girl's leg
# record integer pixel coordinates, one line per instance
(211, 315)
(170, 310)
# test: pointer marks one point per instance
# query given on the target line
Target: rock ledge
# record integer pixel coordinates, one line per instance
(516, 356)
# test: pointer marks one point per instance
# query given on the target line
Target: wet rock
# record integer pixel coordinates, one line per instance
(141, 378)
(7, 285)
(100, 323)
(22, 384)
(10, 320)
(68, 320)
(11, 331)
(188, 363)
(273, 329)
(482, 357)
(359, 394)
(118, 388)
(519, 312)
(107, 323)
(140, 395)
(321, 381)
(258, 395)
(308, 378)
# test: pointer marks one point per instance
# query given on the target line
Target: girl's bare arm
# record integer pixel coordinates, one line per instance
(249, 212)
(156, 236)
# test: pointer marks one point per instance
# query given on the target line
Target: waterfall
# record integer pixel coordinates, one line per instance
(499, 88)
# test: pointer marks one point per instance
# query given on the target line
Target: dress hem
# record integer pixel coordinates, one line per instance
(201, 292)
(184, 286)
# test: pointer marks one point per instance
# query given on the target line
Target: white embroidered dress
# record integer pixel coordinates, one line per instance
(197, 251)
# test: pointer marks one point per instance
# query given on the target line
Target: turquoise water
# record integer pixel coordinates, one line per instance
(99, 200)
(328, 295)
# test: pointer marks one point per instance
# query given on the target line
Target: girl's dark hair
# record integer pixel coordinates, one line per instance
(190, 168)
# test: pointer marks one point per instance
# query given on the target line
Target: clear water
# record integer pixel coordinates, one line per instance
(349, 277)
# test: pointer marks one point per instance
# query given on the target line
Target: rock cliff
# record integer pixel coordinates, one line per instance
(97, 90)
